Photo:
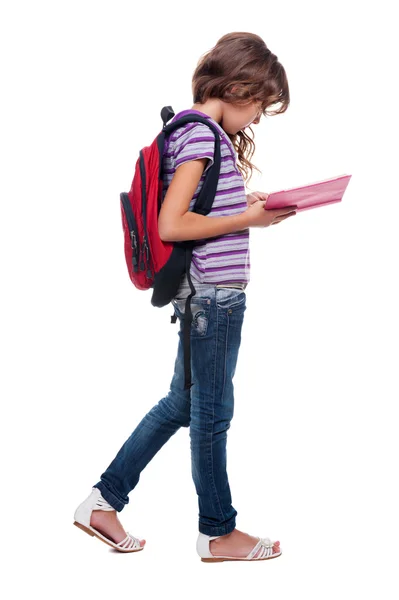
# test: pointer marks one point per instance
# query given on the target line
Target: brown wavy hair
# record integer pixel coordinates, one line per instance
(242, 61)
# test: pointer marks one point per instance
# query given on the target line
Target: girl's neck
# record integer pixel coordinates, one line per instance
(212, 108)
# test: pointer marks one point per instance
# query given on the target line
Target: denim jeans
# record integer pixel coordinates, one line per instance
(207, 409)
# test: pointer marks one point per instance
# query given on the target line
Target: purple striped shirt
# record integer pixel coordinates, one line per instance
(223, 259)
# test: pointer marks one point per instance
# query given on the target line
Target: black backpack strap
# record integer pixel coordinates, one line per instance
(202, 206)
(206, 196)
(167, 280)
(188, 318)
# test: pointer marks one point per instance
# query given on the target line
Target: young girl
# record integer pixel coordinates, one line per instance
(233, 85)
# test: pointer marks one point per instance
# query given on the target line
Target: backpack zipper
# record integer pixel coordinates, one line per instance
(146, 249)
(134, 236)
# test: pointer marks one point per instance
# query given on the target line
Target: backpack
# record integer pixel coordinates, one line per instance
(151, 262)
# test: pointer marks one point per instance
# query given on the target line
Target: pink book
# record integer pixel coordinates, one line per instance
(312, 195)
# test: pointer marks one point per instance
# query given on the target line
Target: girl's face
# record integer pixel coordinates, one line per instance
(236, 117)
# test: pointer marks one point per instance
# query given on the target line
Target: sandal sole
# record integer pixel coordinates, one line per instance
(222, 558)
(94, 533)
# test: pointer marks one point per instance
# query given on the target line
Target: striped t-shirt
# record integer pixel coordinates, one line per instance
(223, 259)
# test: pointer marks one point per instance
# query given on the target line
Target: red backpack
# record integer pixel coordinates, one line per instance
(151, 262)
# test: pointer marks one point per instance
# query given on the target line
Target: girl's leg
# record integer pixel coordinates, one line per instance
(215, 342)
(153, 431)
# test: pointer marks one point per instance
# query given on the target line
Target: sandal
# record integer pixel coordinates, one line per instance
(264, 547)
(82, 520)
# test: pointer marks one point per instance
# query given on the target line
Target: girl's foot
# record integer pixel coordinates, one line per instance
(237, 544)
(107, 523)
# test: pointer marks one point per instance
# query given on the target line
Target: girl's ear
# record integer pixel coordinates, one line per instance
(231, 91)
(234, 89)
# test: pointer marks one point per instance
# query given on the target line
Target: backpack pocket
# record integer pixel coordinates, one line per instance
(127, 211)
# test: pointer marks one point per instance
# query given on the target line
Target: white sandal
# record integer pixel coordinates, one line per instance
(264, 547)
(82, 520)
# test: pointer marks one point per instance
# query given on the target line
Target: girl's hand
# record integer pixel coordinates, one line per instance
(255, 196)
(257, 216)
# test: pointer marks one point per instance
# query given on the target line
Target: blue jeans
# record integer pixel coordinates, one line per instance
(207, 409)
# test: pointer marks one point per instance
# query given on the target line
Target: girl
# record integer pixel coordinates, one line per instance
(233, 85)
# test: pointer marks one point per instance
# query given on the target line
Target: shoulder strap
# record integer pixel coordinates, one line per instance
(206, 196)
(202, 206)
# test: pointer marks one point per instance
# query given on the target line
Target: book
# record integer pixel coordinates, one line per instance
(312, 195)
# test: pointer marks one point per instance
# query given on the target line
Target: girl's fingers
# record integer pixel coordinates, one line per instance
(290, 214)
(288, 210)
(260, 195)
(282, 217)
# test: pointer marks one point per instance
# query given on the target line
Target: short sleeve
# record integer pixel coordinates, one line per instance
(195, 140)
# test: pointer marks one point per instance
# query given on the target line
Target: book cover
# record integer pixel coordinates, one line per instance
(312, 195)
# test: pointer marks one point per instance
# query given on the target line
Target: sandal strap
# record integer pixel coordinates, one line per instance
(102, 504)
(129, 542)
(265, 548)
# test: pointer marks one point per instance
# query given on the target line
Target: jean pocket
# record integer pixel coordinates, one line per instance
(200, 309)
(230, 298)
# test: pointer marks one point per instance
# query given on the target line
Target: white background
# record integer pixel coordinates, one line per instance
(312, 448)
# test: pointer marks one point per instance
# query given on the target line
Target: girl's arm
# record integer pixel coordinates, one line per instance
(177, 223)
